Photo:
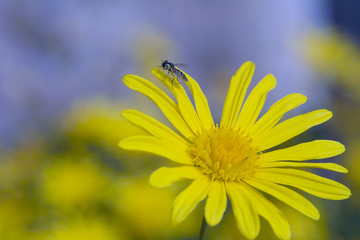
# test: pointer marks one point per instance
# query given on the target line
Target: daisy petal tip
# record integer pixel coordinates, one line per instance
(341, 148)
(314, 214)
(157, 178)
(326, 113)
(124, 113)
(251, 65)
(213, 220)
(175, 218)
(252, 235)
(330, 114)
(322, 114)
(336, 147)
(246, 65)
(127, 113)
(271, 81)
(156, 71)
(153, 181)
(342, 169)
(303, 98)
(216, 203)
(342, 193)
(125, 143)
(127, 77)
(271, 76)
(348, 193)
(345, 195)
(160, 75)
(121, 144)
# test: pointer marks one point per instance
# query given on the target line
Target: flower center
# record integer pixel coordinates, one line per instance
(224, 154)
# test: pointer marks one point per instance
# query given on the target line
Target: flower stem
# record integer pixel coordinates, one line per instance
(202, 234)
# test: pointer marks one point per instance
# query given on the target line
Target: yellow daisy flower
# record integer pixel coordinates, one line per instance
(234, 159)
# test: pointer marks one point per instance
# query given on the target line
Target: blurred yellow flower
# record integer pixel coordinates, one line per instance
(150, 46)
(352, 157)
(20, 165)
(334, 55)
(146, 211)
(68, 183)
(85, 229)
(15, 217)
(233, 160)
(304, 228)
(98, 120)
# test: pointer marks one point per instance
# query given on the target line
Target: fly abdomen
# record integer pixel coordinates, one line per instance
(180, 74)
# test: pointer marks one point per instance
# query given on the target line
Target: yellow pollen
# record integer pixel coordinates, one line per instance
(224, 154)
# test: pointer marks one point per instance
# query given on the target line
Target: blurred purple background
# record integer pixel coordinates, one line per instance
(54, 53)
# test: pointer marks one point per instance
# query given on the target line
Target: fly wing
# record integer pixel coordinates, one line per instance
(181, 65)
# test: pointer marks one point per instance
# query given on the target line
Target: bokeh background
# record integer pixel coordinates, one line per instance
(62, 175)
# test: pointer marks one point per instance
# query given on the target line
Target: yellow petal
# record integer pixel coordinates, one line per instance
(187, 109)
(308, 182)
(327, 166)
(164, 102)
(272, 214)
(235, 96)
(201, 103)
(254, 103)
(216, 203)
(276, 111)
(185, 106)
(287, 196)
(246, 216)
(165, 79)
(291, 128)
(158, 147)
(188, 199)
(317, 149)
(153, 127)
(164, 176)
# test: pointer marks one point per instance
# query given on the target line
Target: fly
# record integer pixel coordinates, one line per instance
(173, 70)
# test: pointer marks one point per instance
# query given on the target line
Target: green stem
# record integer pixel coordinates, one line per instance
(202, 234)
